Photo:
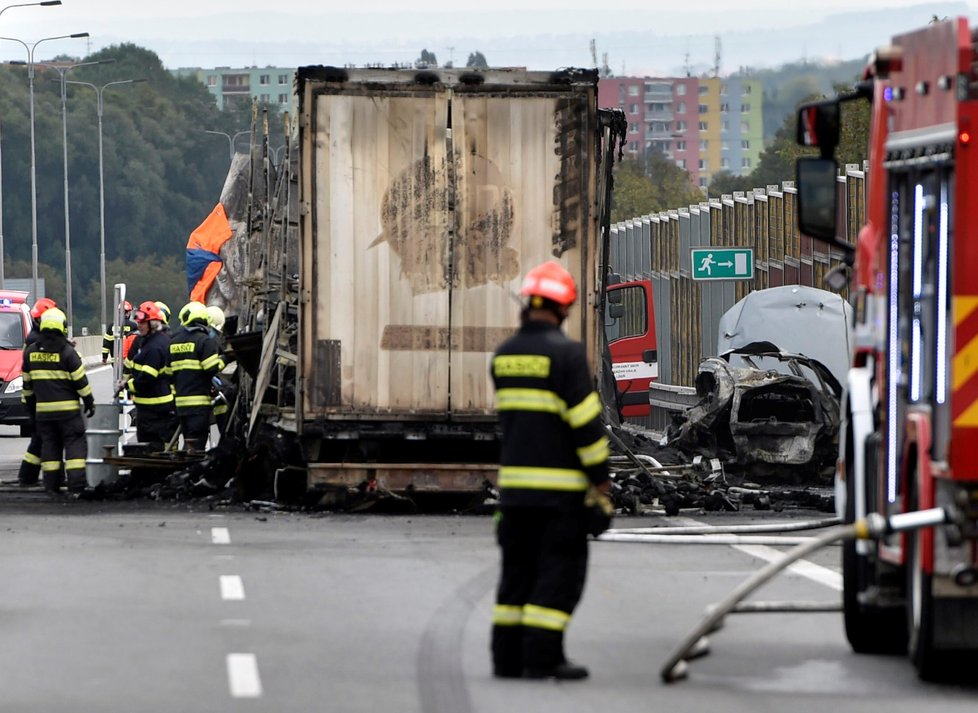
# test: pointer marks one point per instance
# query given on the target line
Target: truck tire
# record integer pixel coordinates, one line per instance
(870, 629)
(931, 663)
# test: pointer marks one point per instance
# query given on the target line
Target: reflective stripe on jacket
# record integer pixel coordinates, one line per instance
(554, 442)
(193, 361)
(149, 382)
(54, 378)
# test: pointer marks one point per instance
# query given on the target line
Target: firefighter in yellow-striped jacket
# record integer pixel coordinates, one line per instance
(194, 360)
(54, 381)
(554, 449)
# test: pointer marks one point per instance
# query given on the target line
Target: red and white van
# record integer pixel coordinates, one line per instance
(15, 324)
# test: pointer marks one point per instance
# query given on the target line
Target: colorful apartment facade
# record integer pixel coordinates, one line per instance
(706, 125)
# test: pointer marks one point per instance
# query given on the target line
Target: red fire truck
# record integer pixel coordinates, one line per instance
(630, 329)
(910, 422)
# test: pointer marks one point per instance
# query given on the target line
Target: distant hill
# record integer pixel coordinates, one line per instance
(786, 86)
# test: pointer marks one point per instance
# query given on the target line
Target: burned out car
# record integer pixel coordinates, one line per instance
(777, 415)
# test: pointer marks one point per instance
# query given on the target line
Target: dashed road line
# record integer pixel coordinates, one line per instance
(220, 536)
(232, 588)
(243, 678)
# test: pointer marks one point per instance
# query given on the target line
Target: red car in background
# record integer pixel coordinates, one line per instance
(15, 324)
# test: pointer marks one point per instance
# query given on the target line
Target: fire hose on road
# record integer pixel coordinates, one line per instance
(874, 526)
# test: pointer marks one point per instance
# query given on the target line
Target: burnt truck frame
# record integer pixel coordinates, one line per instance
(424, 196)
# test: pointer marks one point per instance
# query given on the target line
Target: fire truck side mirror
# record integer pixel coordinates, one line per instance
(615, 297)
(817, 198)
(818, 126)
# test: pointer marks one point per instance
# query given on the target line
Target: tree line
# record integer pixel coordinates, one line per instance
(162, 174)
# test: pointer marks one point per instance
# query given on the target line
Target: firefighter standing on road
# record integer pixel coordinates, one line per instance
(30, 466)
(194, 360)
(54, 380)
(554, 449)
(148, 383)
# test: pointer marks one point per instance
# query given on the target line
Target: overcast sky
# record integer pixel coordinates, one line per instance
(639, 36)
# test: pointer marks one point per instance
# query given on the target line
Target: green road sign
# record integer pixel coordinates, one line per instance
(722, 263)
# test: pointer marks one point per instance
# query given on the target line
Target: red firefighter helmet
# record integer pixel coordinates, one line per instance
(126, 306)
(147, 311)
(550, 281)
(42, 306)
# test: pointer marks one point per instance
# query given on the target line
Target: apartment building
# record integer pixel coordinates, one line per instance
(705, 125)
(234, 86)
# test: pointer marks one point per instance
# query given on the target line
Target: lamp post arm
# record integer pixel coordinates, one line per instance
(45, 3)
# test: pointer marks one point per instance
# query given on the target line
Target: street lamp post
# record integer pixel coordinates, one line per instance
(46, 3)
(30, 77)
(101, 182)
(231, 139)
(62, 71)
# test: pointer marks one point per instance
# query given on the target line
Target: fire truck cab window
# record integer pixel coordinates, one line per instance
(634, 320)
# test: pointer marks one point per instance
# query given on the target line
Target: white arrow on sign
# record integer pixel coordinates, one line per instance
(725, 264)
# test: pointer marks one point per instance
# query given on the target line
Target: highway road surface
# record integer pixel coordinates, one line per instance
(144, 606)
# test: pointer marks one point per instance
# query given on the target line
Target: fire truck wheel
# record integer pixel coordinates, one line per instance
(870, 629)
(920, 611)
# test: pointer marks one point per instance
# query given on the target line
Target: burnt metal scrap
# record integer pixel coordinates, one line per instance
(780, 422)
(702, 485)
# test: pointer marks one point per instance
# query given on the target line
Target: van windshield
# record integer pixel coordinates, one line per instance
(11, 330)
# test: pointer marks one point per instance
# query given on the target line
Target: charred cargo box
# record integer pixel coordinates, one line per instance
(425, 196)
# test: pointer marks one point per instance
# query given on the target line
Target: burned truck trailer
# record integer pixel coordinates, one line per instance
(424, 196)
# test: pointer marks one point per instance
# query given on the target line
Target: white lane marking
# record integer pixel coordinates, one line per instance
(232, 588)
(804, 568)
(243, 677)
(220, 536)
(100, 367)
(235, 622)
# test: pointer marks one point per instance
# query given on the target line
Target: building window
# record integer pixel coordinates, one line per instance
(681, 108)
(283, 98)
(212, 80)
(702, 183)
(745, 108)
(745, 163)
(264, 79)
(703, 126)
(704, 144)
(703, 108)
(681, 89)
(680, 146)
(747, 89)
(681, 163)
(633, 128)
(745, 144)
(681, 126)
(633, 146)
(633, 90)
(723, 90)
(265, 98)
(283, 79)
(744, 127)
(633, 108)
(703, 164)
(724, 163)
(724, 146)
(703, 89)
(724, 108)
(725, 125)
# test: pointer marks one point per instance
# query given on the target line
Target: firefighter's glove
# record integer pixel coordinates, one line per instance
(600, 510)
(90, 409)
